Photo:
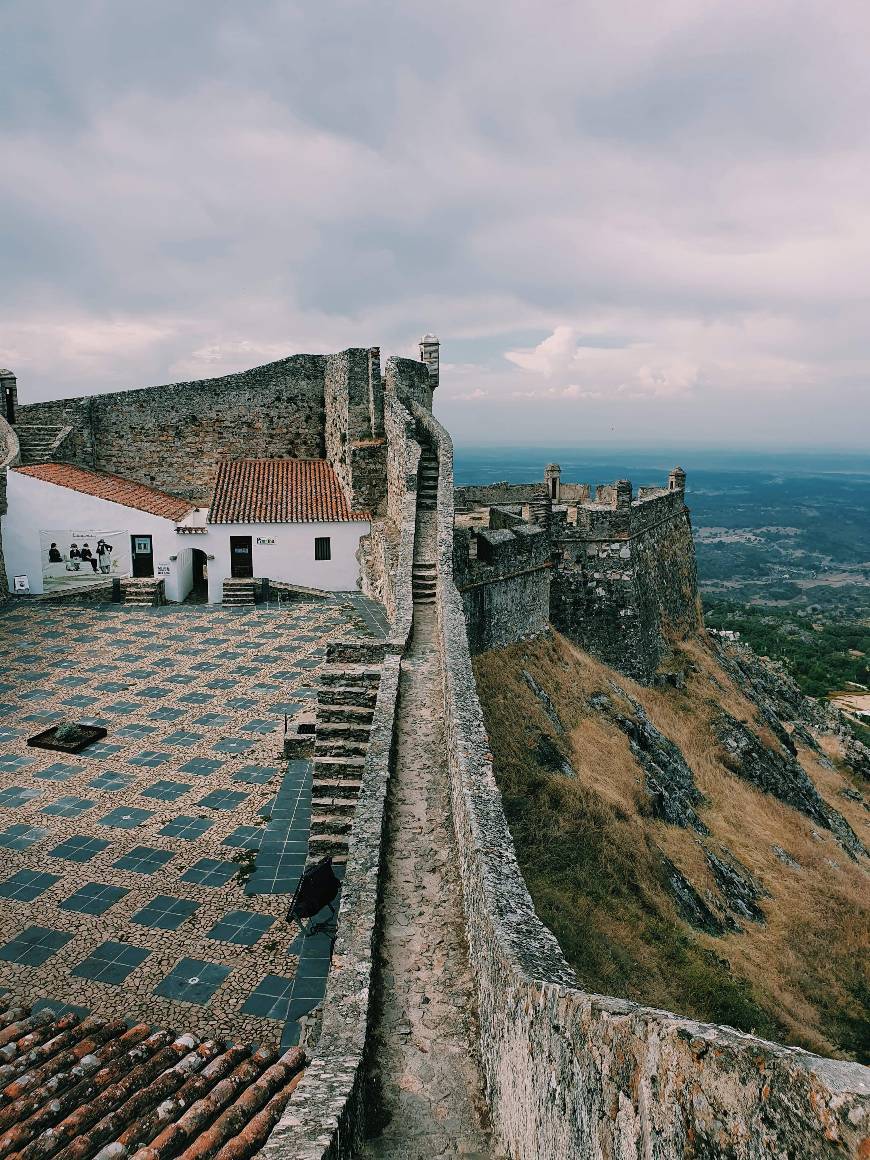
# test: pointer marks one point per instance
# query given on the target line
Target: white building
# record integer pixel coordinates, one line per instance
(285, 519)
(68, 527)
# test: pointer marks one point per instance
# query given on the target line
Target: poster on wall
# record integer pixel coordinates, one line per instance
(77, 556)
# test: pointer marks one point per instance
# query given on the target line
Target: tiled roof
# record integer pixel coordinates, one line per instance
(279, 491)
(110, 487)
(82, 1087)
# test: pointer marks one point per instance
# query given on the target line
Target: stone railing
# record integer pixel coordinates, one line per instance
(325, 1120)
(590, 1075)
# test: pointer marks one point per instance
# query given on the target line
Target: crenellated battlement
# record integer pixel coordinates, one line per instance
(504, 573)
(622, 566)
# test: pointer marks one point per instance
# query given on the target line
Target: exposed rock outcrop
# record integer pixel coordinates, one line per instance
(690, 905)
(551, 757)
(780, 775)
(738, 887)
(670, 783)
(545, 699)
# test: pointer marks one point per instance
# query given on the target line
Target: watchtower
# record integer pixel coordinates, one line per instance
(430, 349)
(677, 480)
(553, 481)
(8, 395)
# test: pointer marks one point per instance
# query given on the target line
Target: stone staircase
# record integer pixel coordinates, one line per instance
(427, 480)
(146, 590)
(38, 441)
(345, 705)
(423, 583)
(238, 593)
(424, 574)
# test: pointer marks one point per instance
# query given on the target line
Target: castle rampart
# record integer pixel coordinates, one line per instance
(504, 577)
(623, 576)
(173, 437)
(596, 1076)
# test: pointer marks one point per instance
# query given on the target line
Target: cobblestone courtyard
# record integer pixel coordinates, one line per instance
(123, 890)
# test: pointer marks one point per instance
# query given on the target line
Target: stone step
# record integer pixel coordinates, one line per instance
(331, 804)
(424, 599)
(339, 787)
(338, 766)
(353, 651)
(335, 747)
(322, 823)
(345, 675)
(344, 715)
(347, 697)
(321, 844)
(342, 731)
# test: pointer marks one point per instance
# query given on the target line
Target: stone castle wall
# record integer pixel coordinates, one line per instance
(623, 581)
(354, 436)
(485, 495)
(383, 552)
(596, 1076)
(173, 437)
(505, 587)
(626, 583)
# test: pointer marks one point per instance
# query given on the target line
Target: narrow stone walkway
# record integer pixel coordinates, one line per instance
(429, 1085)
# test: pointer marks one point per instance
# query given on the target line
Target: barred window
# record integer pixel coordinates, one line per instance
(322, 548)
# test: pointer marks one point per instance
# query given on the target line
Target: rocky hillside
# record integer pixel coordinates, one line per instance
(697, 845)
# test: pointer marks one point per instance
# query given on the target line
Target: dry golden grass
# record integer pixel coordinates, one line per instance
(592, 857)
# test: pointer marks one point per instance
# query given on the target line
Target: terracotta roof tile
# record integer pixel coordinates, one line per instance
(279, 491)
(76, 1089)
(110, 487)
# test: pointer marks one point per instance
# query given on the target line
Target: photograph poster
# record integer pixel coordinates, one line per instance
(75, 557)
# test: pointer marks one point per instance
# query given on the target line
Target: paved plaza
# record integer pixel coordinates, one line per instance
(128, 885)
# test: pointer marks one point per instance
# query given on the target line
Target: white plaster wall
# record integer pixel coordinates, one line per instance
(291, 557)
(35, 504)
(183, 574)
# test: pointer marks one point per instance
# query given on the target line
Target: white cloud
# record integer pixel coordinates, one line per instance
(653, 231)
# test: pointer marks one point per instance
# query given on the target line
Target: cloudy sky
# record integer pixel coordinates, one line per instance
(626, 222)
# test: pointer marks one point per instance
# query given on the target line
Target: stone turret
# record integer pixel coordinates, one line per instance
(8, 395)
(430, 349)
(623, 493)
(677, 480)
(541, 509)
(553, 481)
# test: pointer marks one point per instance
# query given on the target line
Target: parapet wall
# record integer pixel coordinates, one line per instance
(505, 587)
(485, 495)
(173, 437)
(595, 1076)
(383, 553)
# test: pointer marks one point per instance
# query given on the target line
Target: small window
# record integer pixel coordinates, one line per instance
(322, 548)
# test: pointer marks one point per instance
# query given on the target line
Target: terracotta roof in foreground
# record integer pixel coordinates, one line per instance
(83, 1087)
(110, 487)
(279, 491)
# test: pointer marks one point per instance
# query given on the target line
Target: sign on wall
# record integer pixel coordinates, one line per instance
(74, 556)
